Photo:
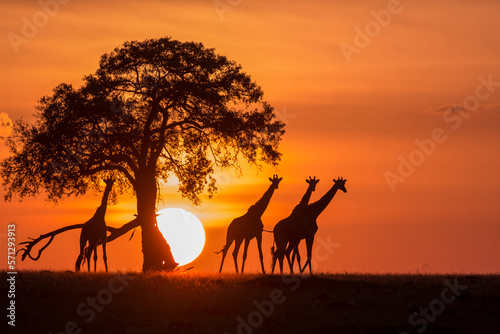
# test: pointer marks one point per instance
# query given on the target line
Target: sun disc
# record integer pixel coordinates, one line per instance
(184, 233)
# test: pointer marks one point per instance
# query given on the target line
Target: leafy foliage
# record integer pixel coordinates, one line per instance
(158, 106)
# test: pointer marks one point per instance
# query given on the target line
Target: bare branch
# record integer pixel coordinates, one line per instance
(114, 234)
(29, 244)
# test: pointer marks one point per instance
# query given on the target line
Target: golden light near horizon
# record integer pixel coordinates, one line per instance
(184, 233)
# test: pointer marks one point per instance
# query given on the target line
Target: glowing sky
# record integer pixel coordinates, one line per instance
(409, 114)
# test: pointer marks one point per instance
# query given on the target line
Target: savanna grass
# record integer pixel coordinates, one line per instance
(192, 302)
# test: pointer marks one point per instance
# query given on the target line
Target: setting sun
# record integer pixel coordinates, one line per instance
(184, 233)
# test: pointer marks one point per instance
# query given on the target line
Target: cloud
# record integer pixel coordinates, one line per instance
(5, 124)
(482, 110)
(438, 110)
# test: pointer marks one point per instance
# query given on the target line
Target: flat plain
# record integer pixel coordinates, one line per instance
(190, 302)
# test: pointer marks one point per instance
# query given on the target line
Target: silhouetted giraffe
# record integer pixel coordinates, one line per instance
(247, 227)
(281, 229)
(306, 226)
(93, 231)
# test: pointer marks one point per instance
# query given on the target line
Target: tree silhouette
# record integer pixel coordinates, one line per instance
(153, 109)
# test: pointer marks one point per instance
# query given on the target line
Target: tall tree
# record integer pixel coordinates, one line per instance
(153, 110)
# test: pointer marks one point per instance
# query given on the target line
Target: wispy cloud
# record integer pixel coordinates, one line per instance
(491, 109)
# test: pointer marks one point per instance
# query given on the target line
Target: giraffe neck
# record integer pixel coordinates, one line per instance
(261, 205)
(307, 196)
(318, 207)
(101, 210)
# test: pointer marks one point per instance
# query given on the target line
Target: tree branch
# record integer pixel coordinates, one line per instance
(117, 168)
(99, 157)
(114, 234)
(161, 142)
(29, 244)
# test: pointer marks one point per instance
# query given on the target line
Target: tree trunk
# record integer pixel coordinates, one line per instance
(155, 249)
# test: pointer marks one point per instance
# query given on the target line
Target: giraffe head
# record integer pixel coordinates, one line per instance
(312, 183)
(275, 181)
(109, 182)
(340, 184)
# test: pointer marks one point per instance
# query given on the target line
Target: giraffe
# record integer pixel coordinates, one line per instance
(280, 230)
(305, 226)
(247, 227)
(93, 231)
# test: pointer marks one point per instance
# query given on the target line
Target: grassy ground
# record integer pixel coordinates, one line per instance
(65, 302)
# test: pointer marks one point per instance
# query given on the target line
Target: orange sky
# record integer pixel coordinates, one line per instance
(353, 116)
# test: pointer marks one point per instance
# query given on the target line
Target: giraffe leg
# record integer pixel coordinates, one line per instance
(105, 258)
(280, 253)
(291, 246)
(245, 250)
(276, 250)
(237, 244)
(275, 256)
(78, 263)
(224, 253)
(309, 244)
(273, 262)
(259, 245)
(281, 259)
(87, 256)
(92, 248)
(297, 254)
(95, 258)
(87, 253)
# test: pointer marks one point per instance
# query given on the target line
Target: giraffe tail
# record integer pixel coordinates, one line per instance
(223, 249)
(273, 252)
(85, 254)
(82, 258)
(78, 263)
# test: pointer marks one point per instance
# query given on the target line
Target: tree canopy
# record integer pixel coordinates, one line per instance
(176, 108)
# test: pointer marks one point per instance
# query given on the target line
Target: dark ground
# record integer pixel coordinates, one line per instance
(65, 302)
